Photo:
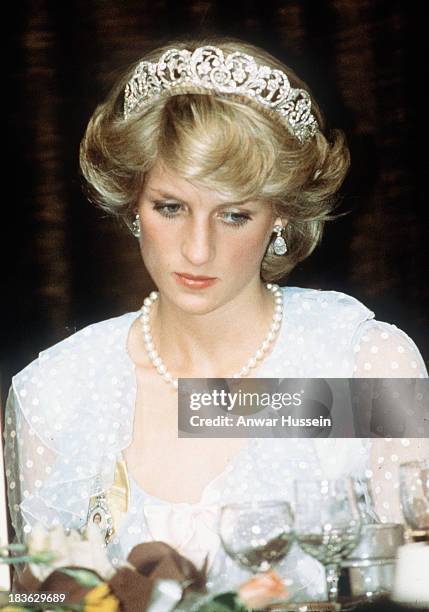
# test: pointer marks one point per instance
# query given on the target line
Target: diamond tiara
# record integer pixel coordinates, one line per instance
(181, 71)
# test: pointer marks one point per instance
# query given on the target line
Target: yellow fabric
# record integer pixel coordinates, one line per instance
(119, 493)
(100, 599)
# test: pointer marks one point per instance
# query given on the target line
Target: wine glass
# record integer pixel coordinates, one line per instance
(257, 534)
(327, 524)
(414, 495)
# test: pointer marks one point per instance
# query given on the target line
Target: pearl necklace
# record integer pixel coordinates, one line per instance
(157, 362)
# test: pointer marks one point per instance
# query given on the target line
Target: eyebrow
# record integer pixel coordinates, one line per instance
(164, 194)
(170, 196)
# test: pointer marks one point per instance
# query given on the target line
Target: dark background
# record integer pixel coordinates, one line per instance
(67, 265)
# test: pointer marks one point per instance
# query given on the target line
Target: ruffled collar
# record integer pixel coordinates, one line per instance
(79, 395)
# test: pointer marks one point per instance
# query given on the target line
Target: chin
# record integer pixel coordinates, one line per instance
(194, 302)
(198, 304)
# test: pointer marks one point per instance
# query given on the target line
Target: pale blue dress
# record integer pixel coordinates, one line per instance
(70, 416)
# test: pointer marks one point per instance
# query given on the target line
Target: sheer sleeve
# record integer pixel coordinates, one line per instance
(68, 416)
(28, 462)
(384, 351)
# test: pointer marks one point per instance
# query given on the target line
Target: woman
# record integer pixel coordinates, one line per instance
(213, 153)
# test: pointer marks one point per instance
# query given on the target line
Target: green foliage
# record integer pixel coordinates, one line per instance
(84, 577)
(225, 602)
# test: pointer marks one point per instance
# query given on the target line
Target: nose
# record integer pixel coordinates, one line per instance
(198, 242)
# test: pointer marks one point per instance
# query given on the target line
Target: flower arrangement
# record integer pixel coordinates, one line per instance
(154, 578)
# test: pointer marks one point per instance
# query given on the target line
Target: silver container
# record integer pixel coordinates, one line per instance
(368, 581)
(377, 541)
(369, 570)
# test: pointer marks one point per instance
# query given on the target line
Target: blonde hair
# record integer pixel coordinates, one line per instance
(224, 142)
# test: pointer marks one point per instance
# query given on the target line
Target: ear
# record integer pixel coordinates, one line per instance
(280, 221)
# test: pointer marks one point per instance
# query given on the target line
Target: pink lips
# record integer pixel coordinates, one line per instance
(194, 282)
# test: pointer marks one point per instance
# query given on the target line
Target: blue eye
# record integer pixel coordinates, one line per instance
(235, 219)
(172, 210)
(167, 209)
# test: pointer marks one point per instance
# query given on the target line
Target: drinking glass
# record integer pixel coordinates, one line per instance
(257, 534)
(414, 495)
(327, 524)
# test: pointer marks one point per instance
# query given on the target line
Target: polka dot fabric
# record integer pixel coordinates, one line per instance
(70, 413)
(384, 351)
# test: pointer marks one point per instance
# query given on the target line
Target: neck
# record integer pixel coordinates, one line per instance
(215, 344)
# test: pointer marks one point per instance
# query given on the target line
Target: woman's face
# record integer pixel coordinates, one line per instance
(200, 251)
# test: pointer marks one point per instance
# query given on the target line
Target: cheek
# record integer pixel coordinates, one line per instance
(151, 233)
(246, 250)
(155, 242)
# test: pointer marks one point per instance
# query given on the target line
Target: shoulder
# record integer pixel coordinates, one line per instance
(342, 323)
(79, 386)
(326, 303)
(325, 312)
(91, 342)
(89, 353)
(384, 351)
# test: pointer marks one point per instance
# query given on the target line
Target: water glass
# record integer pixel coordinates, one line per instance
(414, 496)
(257, 534)
(327, 524)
